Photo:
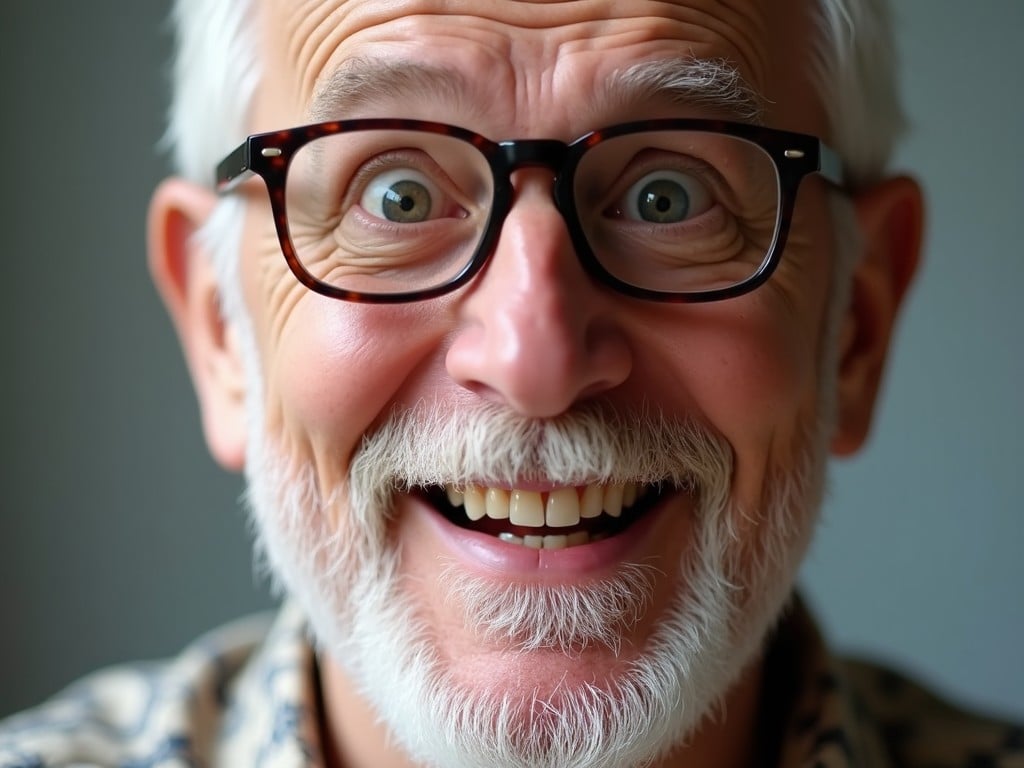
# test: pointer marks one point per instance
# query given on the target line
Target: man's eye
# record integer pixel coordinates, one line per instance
(665, 197)
(402, 195)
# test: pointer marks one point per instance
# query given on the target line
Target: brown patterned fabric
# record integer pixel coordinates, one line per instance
(852, 714)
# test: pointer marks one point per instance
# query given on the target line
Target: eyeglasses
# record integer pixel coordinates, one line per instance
(390, 210)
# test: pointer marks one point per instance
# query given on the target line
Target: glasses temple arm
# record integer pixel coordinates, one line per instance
(830, 165)
(233, 169)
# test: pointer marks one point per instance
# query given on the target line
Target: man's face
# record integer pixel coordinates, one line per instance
(710, 412)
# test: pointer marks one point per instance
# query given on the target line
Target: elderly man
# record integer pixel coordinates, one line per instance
(531, 325)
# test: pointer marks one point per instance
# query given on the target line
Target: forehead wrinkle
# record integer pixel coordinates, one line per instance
(313, 42)
(306, 33)
(744, 25)
(740, 26)
(729, 30)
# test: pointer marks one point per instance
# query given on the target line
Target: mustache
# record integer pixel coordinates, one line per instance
(431, 444)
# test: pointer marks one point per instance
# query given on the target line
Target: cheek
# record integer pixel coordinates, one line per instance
(762, 399)
(330, 368)
(748, 369)
(338, 369)
(758, 375)
(766, 390)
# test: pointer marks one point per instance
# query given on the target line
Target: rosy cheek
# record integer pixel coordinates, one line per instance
(747, 369)
(337, 369)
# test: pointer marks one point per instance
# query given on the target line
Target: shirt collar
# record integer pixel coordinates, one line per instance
(815, 708)
(273, 707)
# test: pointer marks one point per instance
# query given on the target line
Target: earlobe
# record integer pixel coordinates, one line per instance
(184, 276)
(890, 216)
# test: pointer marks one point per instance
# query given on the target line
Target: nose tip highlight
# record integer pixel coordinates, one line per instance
(536, 366)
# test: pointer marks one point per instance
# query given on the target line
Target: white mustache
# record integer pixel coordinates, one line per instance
(433, 445)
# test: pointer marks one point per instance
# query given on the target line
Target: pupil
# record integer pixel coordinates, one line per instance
(664, 201)
(406, 202)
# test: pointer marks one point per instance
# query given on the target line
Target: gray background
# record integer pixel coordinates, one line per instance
(119, 539)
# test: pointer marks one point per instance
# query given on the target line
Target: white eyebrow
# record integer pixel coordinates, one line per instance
(713, 86)
(362, 81)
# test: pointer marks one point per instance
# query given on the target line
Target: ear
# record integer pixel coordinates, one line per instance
(184, 277)
(891, 216)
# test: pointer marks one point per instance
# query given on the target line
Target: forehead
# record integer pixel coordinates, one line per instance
(515, 67)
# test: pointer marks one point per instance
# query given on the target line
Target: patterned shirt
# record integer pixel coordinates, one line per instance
(246, 695)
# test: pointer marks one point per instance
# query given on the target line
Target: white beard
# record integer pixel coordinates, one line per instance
(332, 553)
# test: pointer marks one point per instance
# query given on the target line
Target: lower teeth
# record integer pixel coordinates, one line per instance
(558, 541)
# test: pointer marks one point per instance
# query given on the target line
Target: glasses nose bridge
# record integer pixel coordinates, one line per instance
(561, 158)
(547, 153)
(537, 153)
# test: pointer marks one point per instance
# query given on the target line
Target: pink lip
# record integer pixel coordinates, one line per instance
(482, 552)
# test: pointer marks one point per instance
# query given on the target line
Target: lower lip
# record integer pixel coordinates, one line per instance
(483, 552)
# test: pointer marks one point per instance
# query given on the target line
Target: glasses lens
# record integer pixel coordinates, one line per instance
(385, 212)
(678, 211)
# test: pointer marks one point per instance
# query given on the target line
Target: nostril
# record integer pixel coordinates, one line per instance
(484, 392)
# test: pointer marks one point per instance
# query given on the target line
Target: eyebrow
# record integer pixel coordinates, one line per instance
(360, 82)
(713, 86)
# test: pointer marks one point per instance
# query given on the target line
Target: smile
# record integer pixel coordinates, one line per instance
(555, 519)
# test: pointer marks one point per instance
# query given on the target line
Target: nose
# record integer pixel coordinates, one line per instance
(536, 333)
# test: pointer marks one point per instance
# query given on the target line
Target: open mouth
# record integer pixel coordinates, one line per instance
(555, 519)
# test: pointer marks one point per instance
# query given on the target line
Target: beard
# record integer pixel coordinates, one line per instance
(332, 552)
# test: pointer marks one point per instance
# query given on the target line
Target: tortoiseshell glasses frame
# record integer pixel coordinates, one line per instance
(270, 155)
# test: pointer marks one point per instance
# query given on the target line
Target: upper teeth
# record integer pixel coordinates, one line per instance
(562, 507)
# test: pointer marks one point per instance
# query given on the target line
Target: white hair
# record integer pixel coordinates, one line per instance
(217, 69)
(854, 57)
(215, 74)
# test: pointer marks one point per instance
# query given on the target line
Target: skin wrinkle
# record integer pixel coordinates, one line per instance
(312, 44)
(313, 58)
(300, 28)
(747, 35)
(280, 289)
(740, 33)
(284, 295)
